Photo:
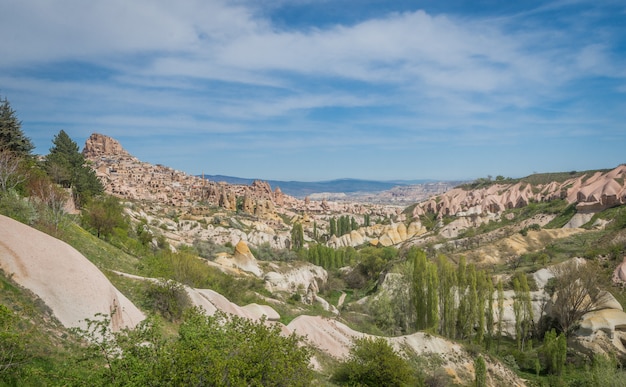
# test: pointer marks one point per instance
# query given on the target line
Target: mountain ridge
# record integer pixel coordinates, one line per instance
(303, 188)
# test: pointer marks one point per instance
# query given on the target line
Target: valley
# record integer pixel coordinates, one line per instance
(444, 275)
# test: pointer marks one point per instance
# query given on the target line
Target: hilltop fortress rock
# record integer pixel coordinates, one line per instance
(128, 178)
(98, 145)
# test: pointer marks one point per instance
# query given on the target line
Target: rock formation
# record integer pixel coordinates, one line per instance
(592, 192)
(67, 282)
(99, 145)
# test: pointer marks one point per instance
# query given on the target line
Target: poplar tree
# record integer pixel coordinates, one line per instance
(447, 296)
(426, 288)
(517, 311)
(472, 302)
(432, 303)
(522, 307)
(462, 294)
(482, 289)
(419, 287)
(500, 311)
(489, 310)
(480, 372)
(297, 237)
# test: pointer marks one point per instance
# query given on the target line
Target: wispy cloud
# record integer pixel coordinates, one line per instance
(398, 80)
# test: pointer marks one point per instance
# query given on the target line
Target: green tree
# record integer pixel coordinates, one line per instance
(426, 290)
(103, 215)
(11, 136)
(373, 362)
(68, 167)
(217, 350)
(555, 350)
(522, 308)
(12, 352)
(232, 351)
(297, 237)
(447, 296)
(480, 372)
(500, 310)
(333, 226)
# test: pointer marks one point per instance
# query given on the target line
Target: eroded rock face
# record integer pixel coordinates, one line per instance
(100, 145)
(242, 259)
(593, 193)
(73, 287)
(385, 235)
(305, 280)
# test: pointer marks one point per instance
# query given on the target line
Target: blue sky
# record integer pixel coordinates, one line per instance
(316, 90)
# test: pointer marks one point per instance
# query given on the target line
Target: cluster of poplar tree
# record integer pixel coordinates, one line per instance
(458, 302)
(330, 258)
(343, 225)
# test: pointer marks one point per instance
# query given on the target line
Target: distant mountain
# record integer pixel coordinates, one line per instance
(302, 188)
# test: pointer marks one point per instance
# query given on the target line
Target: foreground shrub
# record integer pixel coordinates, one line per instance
(219, 350)
(373, 362)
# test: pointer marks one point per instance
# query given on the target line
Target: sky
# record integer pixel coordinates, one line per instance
(314, 90)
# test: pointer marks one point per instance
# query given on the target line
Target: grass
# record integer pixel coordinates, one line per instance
(99, 252)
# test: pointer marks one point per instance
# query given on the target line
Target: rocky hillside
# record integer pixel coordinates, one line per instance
(593, 192)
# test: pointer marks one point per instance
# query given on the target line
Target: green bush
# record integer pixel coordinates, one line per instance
(18, 208)
(217, 350)
(168, 298)
(373, 362)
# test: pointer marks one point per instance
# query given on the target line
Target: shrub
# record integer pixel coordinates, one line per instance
(373, 362)
(168, 298)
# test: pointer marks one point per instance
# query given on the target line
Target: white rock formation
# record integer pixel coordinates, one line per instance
(72, 286)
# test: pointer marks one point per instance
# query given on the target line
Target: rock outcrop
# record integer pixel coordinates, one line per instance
(591, 192)
(73, 287)
(385, 235)
(126, 177)
(99, 145)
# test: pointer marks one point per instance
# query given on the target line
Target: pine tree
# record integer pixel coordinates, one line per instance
(68, 167)
(11, 136)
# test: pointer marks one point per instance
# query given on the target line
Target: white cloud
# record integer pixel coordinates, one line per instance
(221, 67)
